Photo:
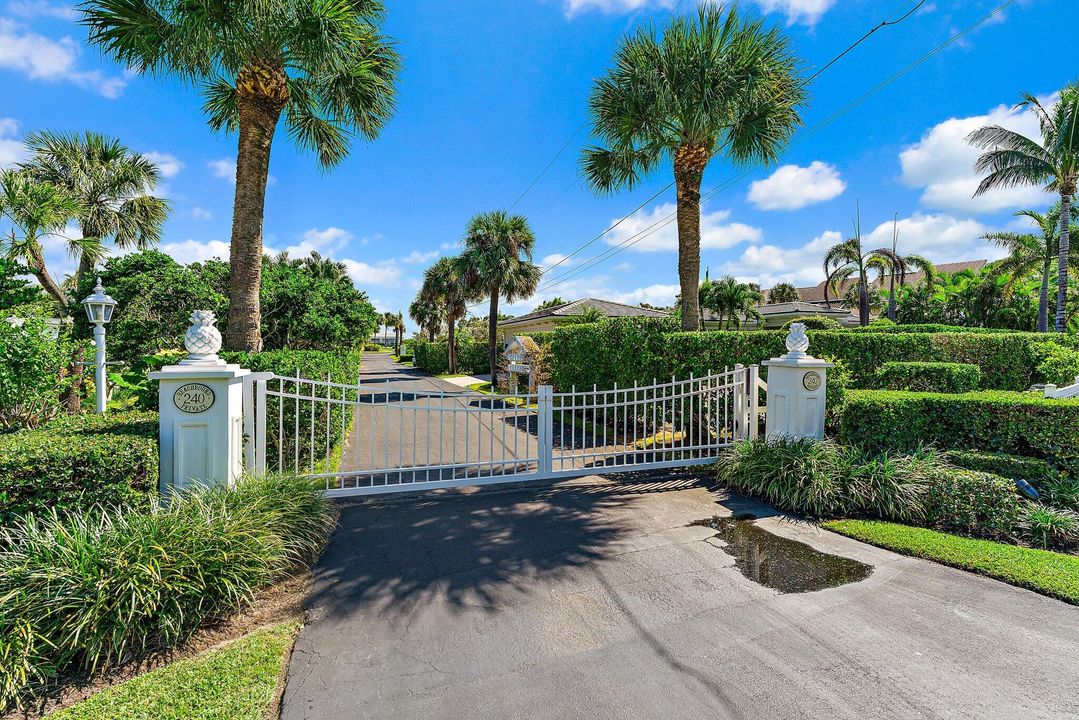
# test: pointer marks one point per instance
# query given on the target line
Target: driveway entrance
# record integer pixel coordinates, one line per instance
(598, 599)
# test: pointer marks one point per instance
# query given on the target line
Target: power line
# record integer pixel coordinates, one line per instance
(634, 239)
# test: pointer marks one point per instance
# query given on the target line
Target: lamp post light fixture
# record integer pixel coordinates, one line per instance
(99, 307)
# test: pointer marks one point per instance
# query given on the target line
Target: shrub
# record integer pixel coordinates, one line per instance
(1020, 423)
(1061, 492)
(929, 377)
(434, 357)
(33, 372)
(1047, 526)
(974, 503)
(814, 323)
(85, 592)
(1057, 365)
(889, 327)
(76, 462)
(1034, 470)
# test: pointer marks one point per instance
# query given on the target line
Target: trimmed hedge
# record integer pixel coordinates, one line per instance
(76, 462)
(1018, 423)
(1058, 365)
(434, 357)
(1016, 467)
(970, 502)
(929, 377)
(625, 350)
(930, 328)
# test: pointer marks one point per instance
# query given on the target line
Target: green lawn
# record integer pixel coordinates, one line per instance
(1050, 573)
(236, 682)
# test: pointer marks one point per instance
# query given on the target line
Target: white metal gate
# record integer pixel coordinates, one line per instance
(372, 438)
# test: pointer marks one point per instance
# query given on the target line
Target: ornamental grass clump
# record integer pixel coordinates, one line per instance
(87, 591)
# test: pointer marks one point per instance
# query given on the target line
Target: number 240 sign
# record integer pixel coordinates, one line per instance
(193, 398)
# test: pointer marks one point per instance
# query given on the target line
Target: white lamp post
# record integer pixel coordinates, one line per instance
(99, 307)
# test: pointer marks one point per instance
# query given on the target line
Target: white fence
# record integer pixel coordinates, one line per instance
(372, 438)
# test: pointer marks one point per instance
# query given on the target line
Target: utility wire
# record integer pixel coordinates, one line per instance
(663, 222)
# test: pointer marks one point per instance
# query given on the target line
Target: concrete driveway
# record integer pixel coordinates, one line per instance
(594, 599)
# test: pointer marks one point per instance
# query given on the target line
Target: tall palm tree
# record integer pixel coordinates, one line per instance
(714, 84)
(783, 292)
(37, 210)
(845, 262)
(428, 313)
(444, 283)
(1011, 159)
(498, 254)
(1029, 253)
(110, 183)
(896, 267)
(399, 331)
(325, 66)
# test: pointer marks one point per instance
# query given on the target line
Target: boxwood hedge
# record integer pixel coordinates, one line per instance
(1017, 467)
(928, 377)
(1012, 422)
(434, 357)
(73, 463)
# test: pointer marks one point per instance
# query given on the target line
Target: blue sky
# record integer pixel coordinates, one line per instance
(491, 89)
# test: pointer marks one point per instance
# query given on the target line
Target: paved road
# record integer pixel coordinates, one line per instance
(595, 599)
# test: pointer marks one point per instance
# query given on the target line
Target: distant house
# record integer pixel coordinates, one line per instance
(777, 314)
(815, 293)
(549, 318)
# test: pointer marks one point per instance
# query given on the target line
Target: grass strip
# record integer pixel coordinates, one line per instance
(1050, 573)
(236, 681)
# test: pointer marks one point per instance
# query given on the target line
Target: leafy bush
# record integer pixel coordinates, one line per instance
(1034, 470)
(889, 327)
(929, 377)
(76, 462)
(83, 593)
(1061, 491)
(823, 479)
(974, 503)
(434, 357)
(33, 372)
(1058, 365)
(814, 323)
(1018, 423)
(1047, 527)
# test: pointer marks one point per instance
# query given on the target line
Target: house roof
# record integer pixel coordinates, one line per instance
(815, 293)
(571, 309)
(791, 308)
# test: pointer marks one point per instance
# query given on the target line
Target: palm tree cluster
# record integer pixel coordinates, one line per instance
(496, 263)
(733, 303)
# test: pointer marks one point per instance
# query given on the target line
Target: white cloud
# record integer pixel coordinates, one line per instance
(943, 164)
(623, 267)
(169, 165)
(11, 150)
(201, 213)
(225, 168)
(771, 264)
(42, 58)
(418, 258)
(598, 286)
(654, 230)
(385, 273)
(323, 241)
(573, 7)
(559, 259)
(41, 8)
(792, 187)
(190, 251)
(807, 12)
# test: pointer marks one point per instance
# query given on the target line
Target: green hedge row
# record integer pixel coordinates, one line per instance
(434, 357)
(73, 463)
(1034, 470)
(930, 328)
(1011, 422)
(928, 377)
(639, 349)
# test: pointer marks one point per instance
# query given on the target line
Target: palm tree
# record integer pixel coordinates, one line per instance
(110, 183)
(1029, 254)
(845, 262)
(714, 84)
(896, 267)
(324, 65)
(1011, 159)
(553, 302)
(733, 302)
(428, 313)
(498, 254)
(399, 331)
(783, 292)
(444, 283)
(37, 210)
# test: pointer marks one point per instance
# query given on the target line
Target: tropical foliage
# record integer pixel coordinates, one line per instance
(731, 302)
(783, 292)
(325, 67)
(712, 84)
(444, 284)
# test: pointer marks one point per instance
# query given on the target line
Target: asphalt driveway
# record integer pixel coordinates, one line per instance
(595, 599)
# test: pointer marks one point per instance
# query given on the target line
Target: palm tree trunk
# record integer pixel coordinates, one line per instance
(451, 346)
(1043, 296)
(258, 120)
(688, 171)
(492, 330)
(863, 303)
(1062, 261)
(38, 270)
(891, 297)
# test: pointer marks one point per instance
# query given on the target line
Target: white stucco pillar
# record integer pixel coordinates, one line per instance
(201, 412)
(796, 389)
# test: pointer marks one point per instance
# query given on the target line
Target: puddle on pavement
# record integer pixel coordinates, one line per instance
(785, 565)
